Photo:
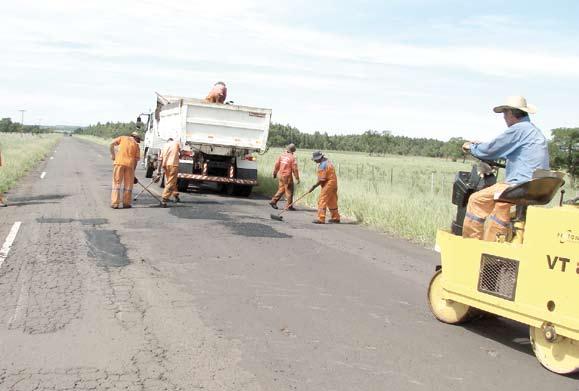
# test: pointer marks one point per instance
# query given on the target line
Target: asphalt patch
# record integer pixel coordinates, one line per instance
(56, 220)
(205, 213)
(106, 248)
(256, 230)
(44, 220)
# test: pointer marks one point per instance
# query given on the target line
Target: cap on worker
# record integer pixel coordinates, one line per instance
(317, 155)
(136, 135)
(291, 147)
(516, 102)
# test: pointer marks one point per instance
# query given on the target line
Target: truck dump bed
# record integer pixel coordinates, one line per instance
(200, 123)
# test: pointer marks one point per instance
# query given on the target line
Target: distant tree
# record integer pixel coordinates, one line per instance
(564, 150)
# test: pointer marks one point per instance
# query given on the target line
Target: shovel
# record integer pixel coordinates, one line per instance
(279, 217)
(149, 191)
(143, 190)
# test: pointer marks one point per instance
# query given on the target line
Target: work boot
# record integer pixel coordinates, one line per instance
(273, 205)
(163, 204)
(318, 222)
(127, 206)
(291, 209)
(3, 205)
(115, 206)
(333, 221)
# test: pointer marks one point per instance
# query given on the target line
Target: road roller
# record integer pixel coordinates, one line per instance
(530, 275)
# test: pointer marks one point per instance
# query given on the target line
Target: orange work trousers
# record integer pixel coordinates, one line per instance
(285, 186)
(123, 178)
(328, 200)
(170, 190)
(482, 208)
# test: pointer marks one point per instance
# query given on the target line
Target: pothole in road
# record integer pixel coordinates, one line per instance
(255, 230)
(106, 247)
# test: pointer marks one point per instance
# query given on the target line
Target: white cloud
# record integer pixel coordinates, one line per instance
(115, 54)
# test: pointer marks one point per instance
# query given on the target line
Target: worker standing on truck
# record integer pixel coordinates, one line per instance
(2, 200)
(525, 148)
(286, 167)
(170, 154)
(218, 93)
(125, 162)
(328, 180)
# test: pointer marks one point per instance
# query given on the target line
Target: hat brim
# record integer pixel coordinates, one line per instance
(529, 109)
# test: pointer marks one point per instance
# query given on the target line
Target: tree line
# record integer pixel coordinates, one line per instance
(563, 146)
(7, 126)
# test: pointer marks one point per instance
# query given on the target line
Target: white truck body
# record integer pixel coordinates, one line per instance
(217, 140)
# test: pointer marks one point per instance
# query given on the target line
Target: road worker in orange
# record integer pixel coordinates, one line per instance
(169, 161)
(3, 203)
(328, 180)
(218, 93)
(125, 161)
(286, 167)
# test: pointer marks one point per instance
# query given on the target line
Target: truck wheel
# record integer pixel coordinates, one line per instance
(182, 185)
(242, 191)
(150, 170)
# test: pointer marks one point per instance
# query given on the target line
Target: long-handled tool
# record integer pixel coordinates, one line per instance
(279, 216)
(150, 192)
(143, 190)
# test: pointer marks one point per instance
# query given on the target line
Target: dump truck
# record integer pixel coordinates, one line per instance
(219, 142)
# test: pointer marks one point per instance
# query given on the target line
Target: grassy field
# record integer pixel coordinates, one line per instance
(404, 195)
(20, 153)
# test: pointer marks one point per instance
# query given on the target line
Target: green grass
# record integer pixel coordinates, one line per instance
(22, 152)
(403, 195)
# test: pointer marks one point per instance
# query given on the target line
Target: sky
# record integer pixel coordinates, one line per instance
(420, 68)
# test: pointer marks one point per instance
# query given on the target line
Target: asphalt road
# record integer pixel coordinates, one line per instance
(213, 295)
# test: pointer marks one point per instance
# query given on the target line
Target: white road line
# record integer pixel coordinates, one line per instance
(43, 175)
(8, 243)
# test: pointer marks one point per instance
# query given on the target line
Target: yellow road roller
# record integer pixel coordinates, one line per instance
(530, 275)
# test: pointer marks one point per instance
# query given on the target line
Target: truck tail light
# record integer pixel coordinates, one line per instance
(251, 158)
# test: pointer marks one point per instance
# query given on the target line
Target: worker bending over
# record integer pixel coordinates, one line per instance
(125, 162)
(170, 163)
(218, 93)
(3, 203)
(286, 168)
(329, 194)
(524, 147)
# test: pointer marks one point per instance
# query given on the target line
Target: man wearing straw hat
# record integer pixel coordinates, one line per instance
(525, 148)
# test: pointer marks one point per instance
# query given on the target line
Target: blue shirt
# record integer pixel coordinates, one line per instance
(523, 145)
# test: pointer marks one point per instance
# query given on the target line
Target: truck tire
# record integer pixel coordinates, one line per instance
(242, 191)
(182, 185)
(150, 170)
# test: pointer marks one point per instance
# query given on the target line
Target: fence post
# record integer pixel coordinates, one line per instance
(432, 183)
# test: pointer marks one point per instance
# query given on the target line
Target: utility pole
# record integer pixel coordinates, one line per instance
(22, 117)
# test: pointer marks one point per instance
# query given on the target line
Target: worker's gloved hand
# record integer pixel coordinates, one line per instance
(135, 181)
